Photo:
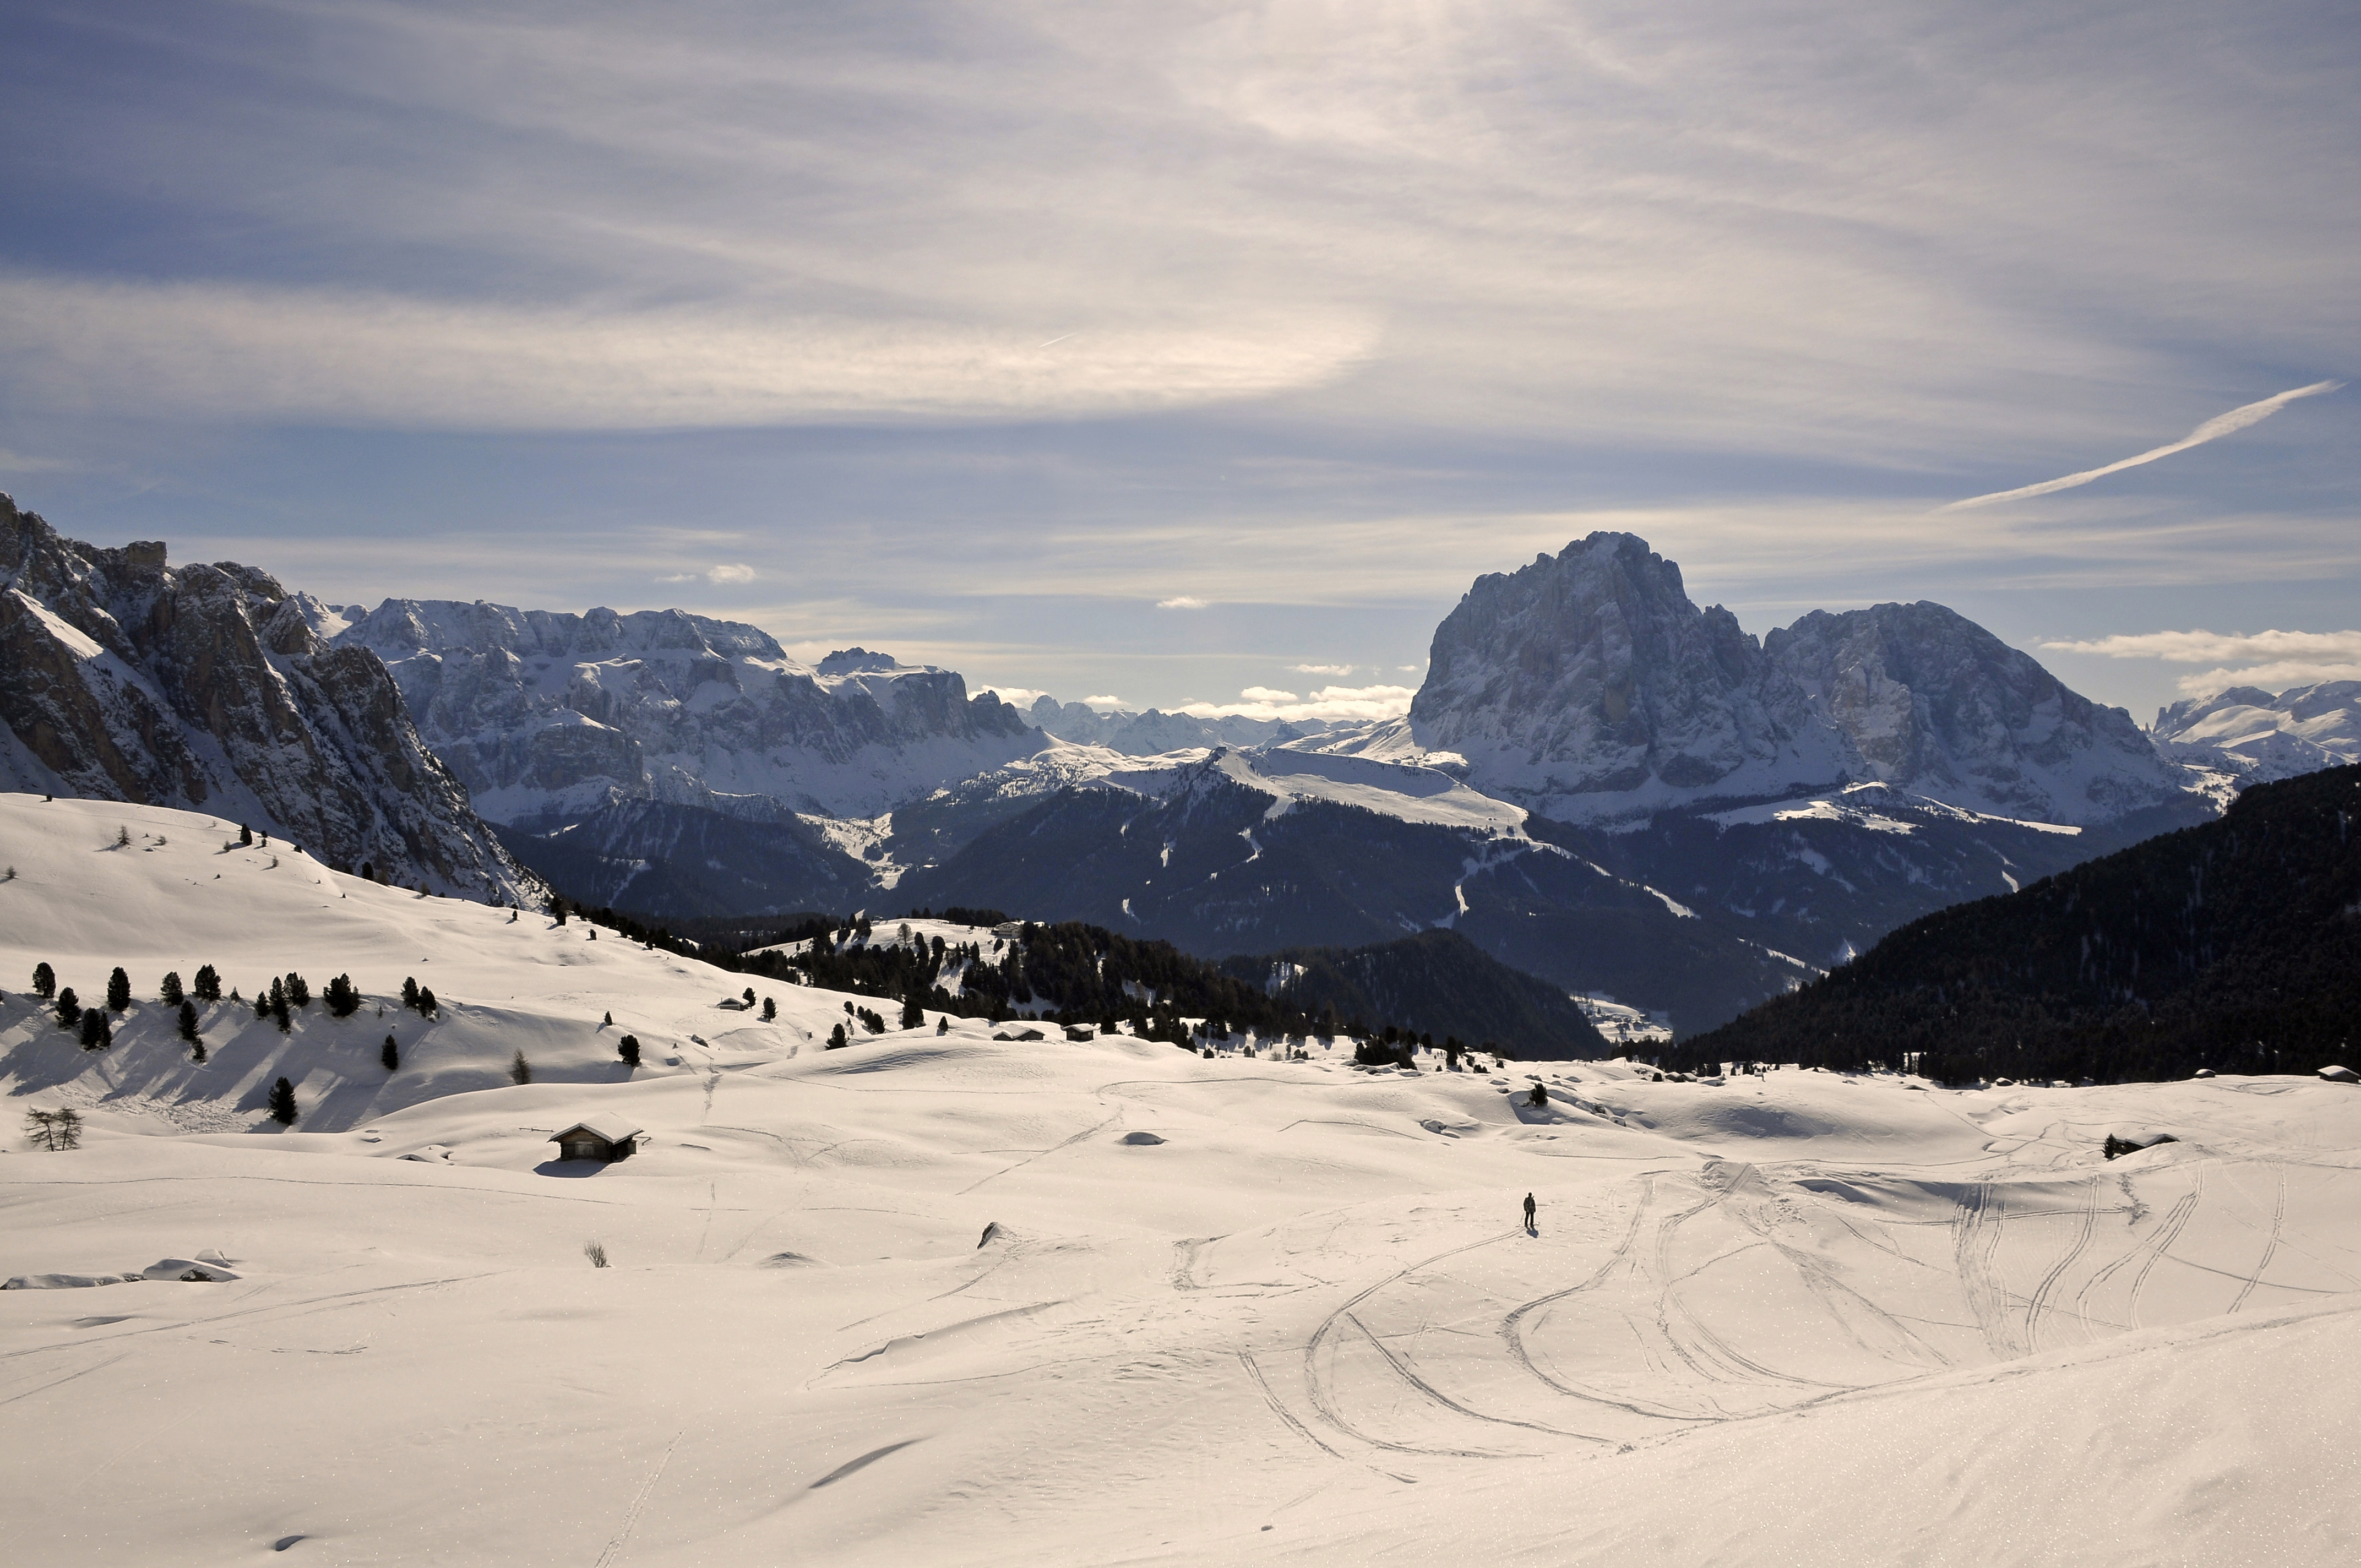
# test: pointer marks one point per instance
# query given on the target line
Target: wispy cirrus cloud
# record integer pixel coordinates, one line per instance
(2273, 659)
(1373, 702)
(2213, 429)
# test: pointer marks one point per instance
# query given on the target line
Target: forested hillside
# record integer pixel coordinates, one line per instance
(2236, 946)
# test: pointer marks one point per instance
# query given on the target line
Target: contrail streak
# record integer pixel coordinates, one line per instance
(2211, 430)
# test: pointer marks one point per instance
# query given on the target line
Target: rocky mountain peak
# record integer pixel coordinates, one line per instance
(1588, 684)
(1937, 706)
(206, 688)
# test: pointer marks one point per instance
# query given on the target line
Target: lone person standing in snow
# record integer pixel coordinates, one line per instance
(1529, 1211)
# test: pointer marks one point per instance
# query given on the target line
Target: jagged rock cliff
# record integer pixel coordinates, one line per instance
(1935, 705)
(1587, 686)
(548, 717)
(206, 687)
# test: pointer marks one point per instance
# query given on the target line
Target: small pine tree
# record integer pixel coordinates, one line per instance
(169, 992)
(748, 996)
(914, 1012)
(607, 1021)
(261, 1005)
(189, 1021)
(389, 1055)
(343, 996)
(520, 1069)
(121, 837)
(836, 1041)
(245, 835)
(69, 1009)
(427, 1006)
(770, 1009)
(409, 993)
(96, 1034)
(118, 991)
(278, 1009)
(943, 1026)
(45, 981)
(282, 1104)
(197, 1052)
(299, 991)
(208, 985)
(628, 1047)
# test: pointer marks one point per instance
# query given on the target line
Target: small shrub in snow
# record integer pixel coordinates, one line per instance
(282, 1104)
(122, 836)
(520, 1069)
(597, 1253)
(197, 1052)
(53, 1130)
(628, 1047)
(118, 991)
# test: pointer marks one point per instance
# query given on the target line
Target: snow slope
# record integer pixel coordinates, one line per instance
(2255, 736)
(937, 1299)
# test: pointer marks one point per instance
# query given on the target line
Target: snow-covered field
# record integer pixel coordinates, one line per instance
(1233, 1310)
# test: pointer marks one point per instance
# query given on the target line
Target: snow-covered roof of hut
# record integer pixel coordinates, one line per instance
(606, 1128)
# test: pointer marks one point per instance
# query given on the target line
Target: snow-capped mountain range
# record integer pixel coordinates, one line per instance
(1599, 781)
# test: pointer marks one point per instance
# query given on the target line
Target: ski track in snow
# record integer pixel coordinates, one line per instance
(837, 1372)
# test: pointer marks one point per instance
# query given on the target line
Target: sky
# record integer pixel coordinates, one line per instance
(1203, 353)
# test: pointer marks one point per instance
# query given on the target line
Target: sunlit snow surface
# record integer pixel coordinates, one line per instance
(1801, 1319)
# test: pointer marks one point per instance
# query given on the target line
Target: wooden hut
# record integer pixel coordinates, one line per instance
(603, 1139)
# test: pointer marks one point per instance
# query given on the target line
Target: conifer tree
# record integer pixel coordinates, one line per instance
(299, 992)
(208, 983)
(628, 1047)
(389, 1055)
(409, 993)
(520, 1069)
(245, 835)
(118, 991)
(607, 1022)
(261, 1005)
(914, 1012)
(748, 996)
(197, 1053)
(45, 981)
(836, 1041)
(69, 1009)
(282, 1104)
(96, 1034)
(427, 1006)
(344, 997)
(770, 1009)
(169, 992)
(943, 1026)
(189, 1021)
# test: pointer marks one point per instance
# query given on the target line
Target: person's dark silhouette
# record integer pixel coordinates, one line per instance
(1529, 1211)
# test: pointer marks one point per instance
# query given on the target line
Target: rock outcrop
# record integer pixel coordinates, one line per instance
(1935, 705)
(207, 688)
(1588, 687)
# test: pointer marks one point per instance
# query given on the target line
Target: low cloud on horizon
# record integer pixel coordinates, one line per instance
(2274, 661)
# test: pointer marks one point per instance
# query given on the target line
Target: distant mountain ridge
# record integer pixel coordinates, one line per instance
(548, 715)
(2254, 736)
(2234, 945)
(123, 677)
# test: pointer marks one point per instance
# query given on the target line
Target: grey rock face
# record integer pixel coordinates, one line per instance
(1936, 706)
(548, 715)
(1587, 685)
(205, 688)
